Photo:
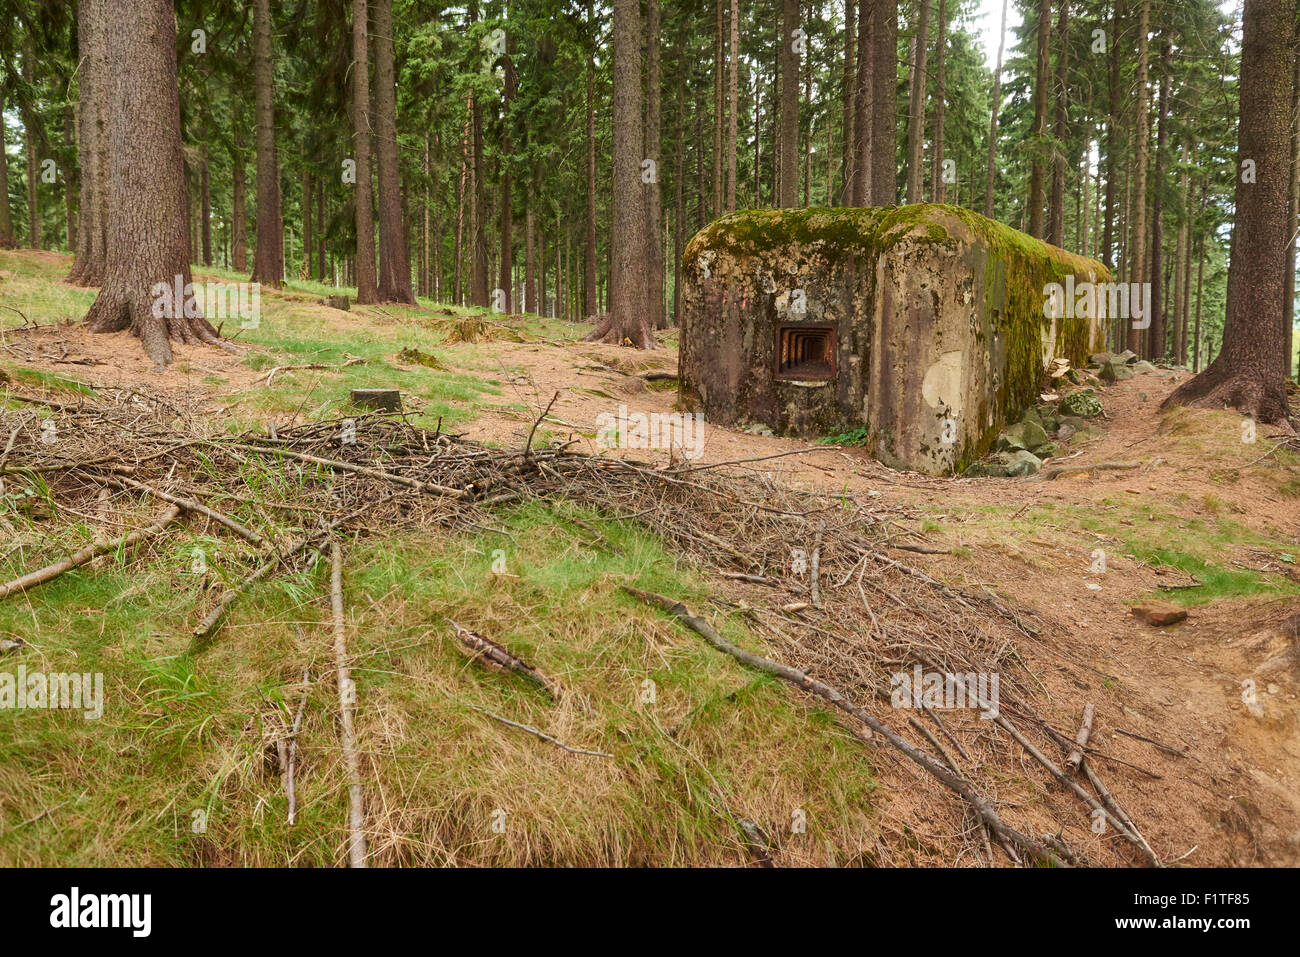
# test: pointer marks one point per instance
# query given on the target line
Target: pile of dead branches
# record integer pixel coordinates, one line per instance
(810, 572)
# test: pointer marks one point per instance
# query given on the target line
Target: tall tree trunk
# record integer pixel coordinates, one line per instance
(367, 279)
(1136, 255)
(205, 206)
(1112, 138)
(92, 85)
(718, 108)
(863, 104)
(654, 244)
(628, 318)
(507, 264)
(937, 185)
(308, 234)
(70, 182)
(679, 177)
(459, 255)
(884, 104)
(1042, 83)
(394, 282)
(7, 240)
(787, 176)
(916, 106)
(1056, 215)
(31, 146)
(733, 102)
(589, 247)
(147, 262)
(268, 259)
(1247, 375)
(1293, 212)
(991, 171)
(530, 260)
(1180, 264)
(848, 88)
(478, 285)
(1156, 334)
(238, 203)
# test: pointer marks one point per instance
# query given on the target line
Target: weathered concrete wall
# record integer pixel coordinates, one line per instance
(937, 315)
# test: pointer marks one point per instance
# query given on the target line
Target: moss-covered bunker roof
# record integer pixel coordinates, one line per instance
(874, 229)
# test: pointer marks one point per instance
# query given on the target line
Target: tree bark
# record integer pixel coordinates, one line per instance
(628, 318)
(268, 259)
(990, 172)
(148, 244)
(1156, 334)
(366, 277)
(848, 89)
(1112, 138)
(394, 283)
(787, 176)
(862, 105)
(1042, 81)
(589, 246)
(1136, 255)
(884, 104)
(1056, 215)
(916, 106)
(1247, 375)
(938, 189)
(654, 244)
(31, 145)
(733, 102)
(239, 204)
(92, 80)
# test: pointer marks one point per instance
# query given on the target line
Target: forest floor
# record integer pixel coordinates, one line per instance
(1206, 520)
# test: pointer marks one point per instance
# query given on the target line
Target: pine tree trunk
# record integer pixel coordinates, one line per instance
(268, 258)
(7, 240)
(589, 246)
(88, 263)
(628, 318)
(653, 191)
(1136, 255)
(990, 172)
(679, 179)
(937, 185)
(884, 104)
(239, 204)
(530, 261)
(1247, 375)
(205, 203)
(1112, 138)
(367, 279)
(31, 145)
(394, 281)
(787, 175)
(70, 183)
(863, 104)
(147, 247)
(848, 89)
(1159, 288)
(308, 236)
(1056, 215)
(916, 106)
(733, 102)
(718, 108)
(1042, 81)
(478, 284)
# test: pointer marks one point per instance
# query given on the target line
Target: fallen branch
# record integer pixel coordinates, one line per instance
(293, 747)
(498, 656)
(1056, 473)
(190, 505)
(1152, 741)
(88, 554)
(347, 699)
(798, 678)
(1081, 739)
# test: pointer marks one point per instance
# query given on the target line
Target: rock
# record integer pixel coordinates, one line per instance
(1022, 435)
(1086, 434)
(758, 428)
(1128, 355)
(1114, 371)
(986, 468)
(1099, 358)
(1048, 418)
(1159, 613)
(1032, 415)
(1143, 367)
(336, 302)
(1082, 402)
(1074, 376)
(1048, 450)
(1066, 432)
(1021, 463)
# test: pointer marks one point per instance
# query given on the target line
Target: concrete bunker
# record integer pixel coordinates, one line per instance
(927, 326)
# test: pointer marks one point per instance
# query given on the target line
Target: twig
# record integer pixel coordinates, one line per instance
(798, 678)
(498, 655)
(347, 699)
(191, 506)
(540, 734)
(293, 746)
(1081, 739)
(814, 575)
(528, 446)
(89, 553)
(1152, 741)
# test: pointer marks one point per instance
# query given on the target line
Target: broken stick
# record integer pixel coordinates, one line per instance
(89, 553)
(1081, 739)
(347, 698)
